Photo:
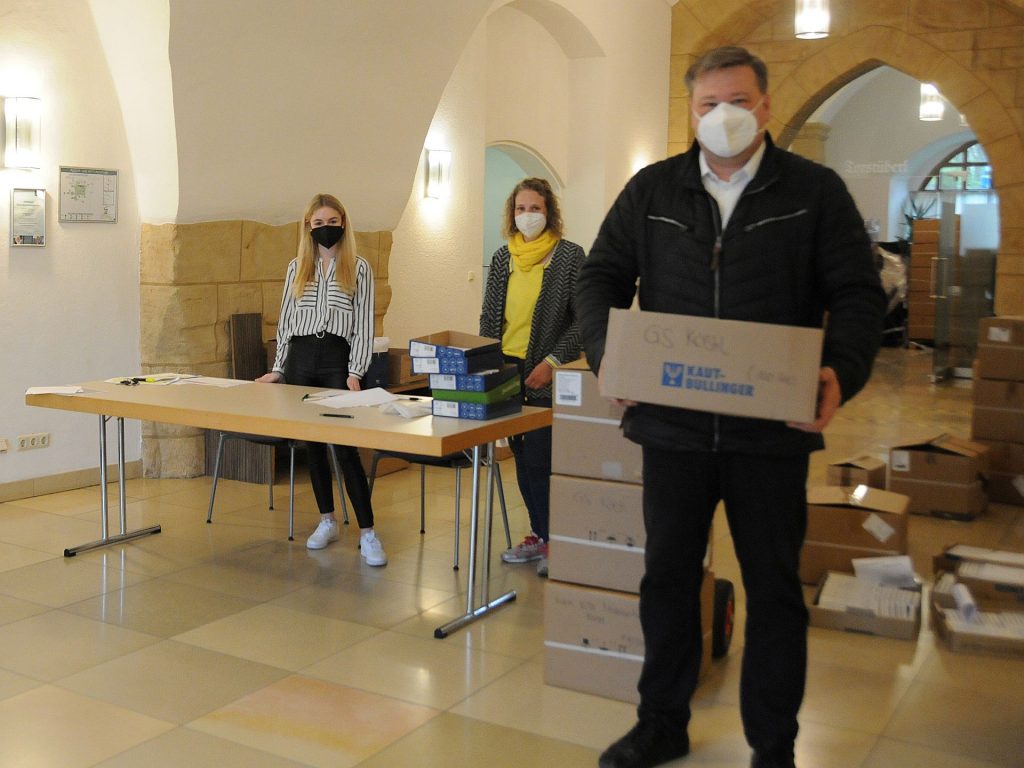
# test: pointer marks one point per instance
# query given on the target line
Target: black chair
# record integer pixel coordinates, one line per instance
(248, 361)
(458, 461)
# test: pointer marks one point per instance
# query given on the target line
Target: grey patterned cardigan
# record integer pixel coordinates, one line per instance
(554, 330)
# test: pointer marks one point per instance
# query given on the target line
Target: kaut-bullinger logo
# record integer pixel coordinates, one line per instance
(701, 378)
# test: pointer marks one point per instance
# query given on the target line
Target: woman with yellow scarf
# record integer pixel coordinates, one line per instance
(529, 304)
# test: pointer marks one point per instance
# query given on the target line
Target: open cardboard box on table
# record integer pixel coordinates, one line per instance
(705, 364)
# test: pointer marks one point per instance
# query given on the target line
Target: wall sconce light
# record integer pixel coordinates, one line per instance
(812, 19)
(932, 106)
(439, 173)
(22, 132)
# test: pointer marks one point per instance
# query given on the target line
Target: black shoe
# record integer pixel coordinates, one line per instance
(772, 761)
(645, 746)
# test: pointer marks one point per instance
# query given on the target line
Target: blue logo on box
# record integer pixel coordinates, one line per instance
(672, 375)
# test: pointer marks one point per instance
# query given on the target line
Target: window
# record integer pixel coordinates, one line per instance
(966, 169)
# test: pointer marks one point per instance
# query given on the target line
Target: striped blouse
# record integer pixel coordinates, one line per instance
(325, 308)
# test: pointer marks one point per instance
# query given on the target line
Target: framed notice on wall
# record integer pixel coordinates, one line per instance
(88, 195)
(28, 217)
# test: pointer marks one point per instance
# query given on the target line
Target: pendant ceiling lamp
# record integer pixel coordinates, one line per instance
(811, 20)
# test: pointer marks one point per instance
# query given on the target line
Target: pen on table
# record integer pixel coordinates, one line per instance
(313, 396)
(339, 415)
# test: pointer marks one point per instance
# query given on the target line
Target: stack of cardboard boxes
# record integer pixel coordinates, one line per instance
(468, 376)
(997, 419)
(592, 636)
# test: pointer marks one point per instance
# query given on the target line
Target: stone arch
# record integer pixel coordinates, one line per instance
(974, 61)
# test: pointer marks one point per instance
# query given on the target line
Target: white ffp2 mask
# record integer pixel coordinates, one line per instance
(727, 130)
(531, 224)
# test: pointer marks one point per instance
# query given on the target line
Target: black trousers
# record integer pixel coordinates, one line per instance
(532, 454)
(323, 362)
(765, 503)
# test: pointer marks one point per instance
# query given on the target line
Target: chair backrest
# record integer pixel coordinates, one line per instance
(248, 358)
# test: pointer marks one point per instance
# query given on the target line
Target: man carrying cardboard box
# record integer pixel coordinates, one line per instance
(740, 230)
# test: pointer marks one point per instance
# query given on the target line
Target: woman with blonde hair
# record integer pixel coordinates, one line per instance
(325, 339)
(530, 304)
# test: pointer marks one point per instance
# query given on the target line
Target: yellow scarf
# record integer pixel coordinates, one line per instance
(527, 255)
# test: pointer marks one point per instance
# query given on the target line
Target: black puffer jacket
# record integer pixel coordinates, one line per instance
(794, 249)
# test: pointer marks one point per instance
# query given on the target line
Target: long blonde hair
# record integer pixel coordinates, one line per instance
(345, 254)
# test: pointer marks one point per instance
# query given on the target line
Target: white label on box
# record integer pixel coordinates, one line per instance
(426, 365)
(1002, 335)
(900, 461)
(419, 349)
(1018, 483)
(443, 381)
(878, 528)
(611, 470)
(569, 388)
(446, 408)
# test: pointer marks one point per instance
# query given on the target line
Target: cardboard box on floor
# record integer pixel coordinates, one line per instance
(586, 438)
(721, 366)
(943, 476)
(844, 523)
(857, 619)
(859, 470)
(597, 533)
(593, 642)
(975, 637)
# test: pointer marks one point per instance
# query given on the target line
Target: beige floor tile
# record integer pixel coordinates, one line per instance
(49, 726)
(69, 502)
(156, 555)
(364, 598)
(247, 581)
(14, 609)
(513, 630)
(520, 700)
(11, 684)
(889, 754)
(421, 670)
(982, 725)
(231, 495)
(192, 681)
(277, 636)
(57, 644)
(65, 580)
(45, 531)
(315, 722)
(160, 607)
(13, 556)
(450, 740)
(186, 747)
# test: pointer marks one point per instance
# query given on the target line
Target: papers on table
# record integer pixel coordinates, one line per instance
(72, 390)
(346, 399)
(152, 378)
(407, 409)
(212, 381)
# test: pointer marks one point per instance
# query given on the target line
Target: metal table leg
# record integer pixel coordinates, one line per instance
(475, 610)
(105, 538)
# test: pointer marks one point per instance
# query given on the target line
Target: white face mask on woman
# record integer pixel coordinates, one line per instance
(531, 224)
(727, 130)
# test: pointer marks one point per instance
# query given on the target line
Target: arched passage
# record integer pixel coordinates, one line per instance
(968, 52)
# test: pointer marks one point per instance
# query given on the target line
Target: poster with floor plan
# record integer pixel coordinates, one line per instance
(88, 195)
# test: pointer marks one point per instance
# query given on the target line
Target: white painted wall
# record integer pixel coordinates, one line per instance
(876, 145)
(70, 311)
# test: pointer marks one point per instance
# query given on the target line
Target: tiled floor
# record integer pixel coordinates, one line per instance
(226, 645)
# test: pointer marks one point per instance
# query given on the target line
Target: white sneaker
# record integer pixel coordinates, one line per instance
(372, 550)
(324, 534)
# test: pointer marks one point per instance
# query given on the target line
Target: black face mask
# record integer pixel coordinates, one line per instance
(328, 235)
